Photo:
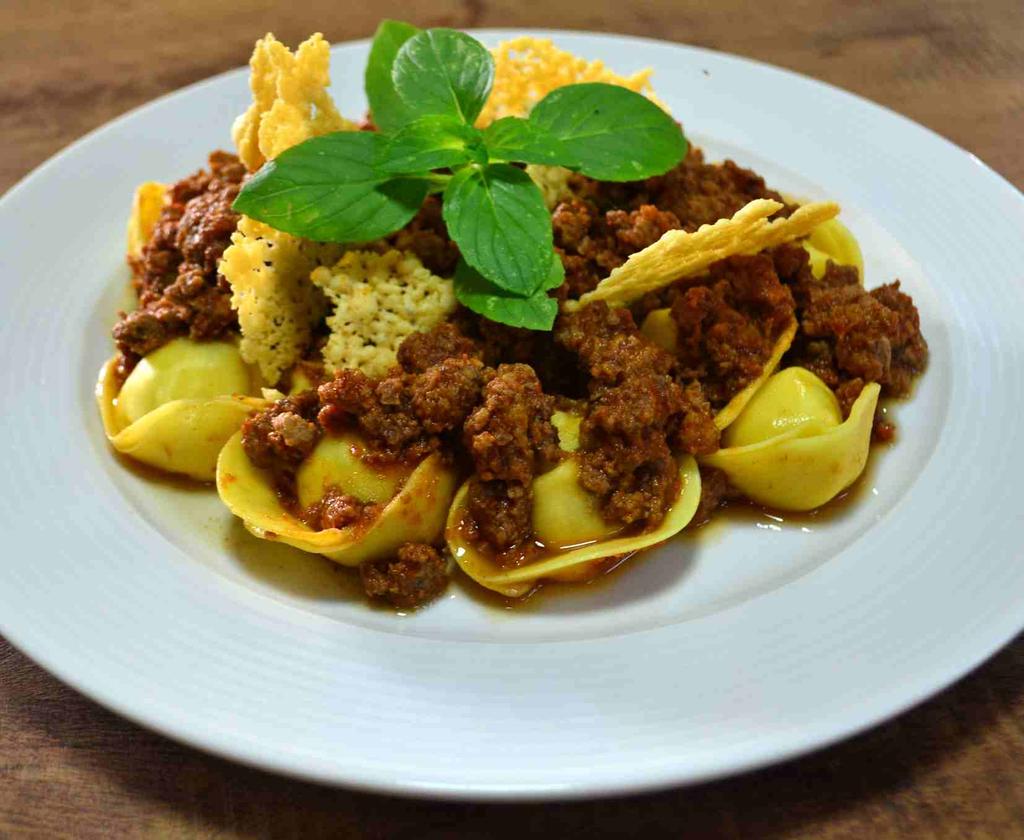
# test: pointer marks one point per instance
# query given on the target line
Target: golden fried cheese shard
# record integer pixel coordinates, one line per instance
(527, 69)
(290, 100)
(277, 304)
(379, 299)
(679, 254)
(269, 270)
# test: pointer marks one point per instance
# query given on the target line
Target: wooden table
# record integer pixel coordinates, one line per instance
(952, 768)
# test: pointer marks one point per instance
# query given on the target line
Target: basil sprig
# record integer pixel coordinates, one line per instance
(426, 90)
(536, 312)
(497, 216)
(389, 111)
(331, 190)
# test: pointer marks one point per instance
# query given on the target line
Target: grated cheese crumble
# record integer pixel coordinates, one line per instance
(379, 299)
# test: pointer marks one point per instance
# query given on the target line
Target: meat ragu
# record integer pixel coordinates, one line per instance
(849, 335)
(179, 288)
(637, 414)
(482, 395)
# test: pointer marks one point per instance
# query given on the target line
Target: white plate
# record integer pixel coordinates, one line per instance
(756, 642)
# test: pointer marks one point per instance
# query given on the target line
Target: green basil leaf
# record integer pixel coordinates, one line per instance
(430, 143)
(328, 189)
(556, 274)
(516, 139)
(618, 135)
(497, 217)
(442, 71)
(536, 312)
(387, 109)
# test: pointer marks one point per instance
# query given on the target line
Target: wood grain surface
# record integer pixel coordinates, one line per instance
(953, 767)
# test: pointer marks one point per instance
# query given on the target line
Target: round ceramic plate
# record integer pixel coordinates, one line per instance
(757, 640)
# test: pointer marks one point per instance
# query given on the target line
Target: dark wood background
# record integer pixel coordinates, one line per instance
(952, 768)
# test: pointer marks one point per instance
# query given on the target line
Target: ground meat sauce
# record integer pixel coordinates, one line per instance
(421, 351)
(849, 336)
(714, 491)
(339, 510)
(554, 365)
(510, 439)
(280, 437)
(417, 408)
(695, 193)
(482, 393)
(596, 231)
(592, 242)
(405, 416)
(636, 414)
(727, 323)
(417, 575)
(175, 277)
(427, 237)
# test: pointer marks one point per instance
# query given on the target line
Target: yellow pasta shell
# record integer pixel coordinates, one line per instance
(183, 370)
(806, 465)
(147, 204)
(731, 410)
(182, 436)
(564, 514)
(573, 560)
(793, 398)
(567, 425)
(336, 462)
(186, 436)
(415, 514)
(832, 240)
(659, 327)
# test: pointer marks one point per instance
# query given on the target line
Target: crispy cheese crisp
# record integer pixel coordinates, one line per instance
(290, 100)
(277, 305)
(527, 69)
(379, 299)
(679, 254)
(147, 203)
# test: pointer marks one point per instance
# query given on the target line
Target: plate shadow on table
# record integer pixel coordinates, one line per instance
(869, 777)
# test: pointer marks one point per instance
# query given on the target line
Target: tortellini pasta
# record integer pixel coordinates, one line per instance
(178, 406)
(832, 240)
(413, 500)
(790, 448)
(660, 328)
(567, 523)
(829, 240)
(147, 204)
